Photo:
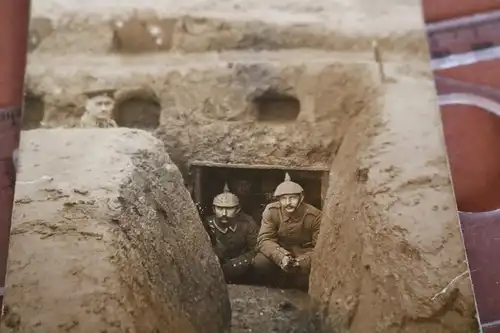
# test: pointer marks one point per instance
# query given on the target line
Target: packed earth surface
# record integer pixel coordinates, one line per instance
(106, 237)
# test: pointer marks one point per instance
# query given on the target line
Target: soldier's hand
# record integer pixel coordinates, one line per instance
(220, 255)
(288, 263)
(285, 261)
(294, 265)
(304, 263)
(234, 268)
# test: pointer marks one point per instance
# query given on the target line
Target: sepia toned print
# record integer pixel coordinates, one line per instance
(466, 60)
(278, 166)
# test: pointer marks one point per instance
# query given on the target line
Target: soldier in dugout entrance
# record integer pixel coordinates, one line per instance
(286, 239)
(234, 237)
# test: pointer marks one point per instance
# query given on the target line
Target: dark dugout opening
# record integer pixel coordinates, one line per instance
(138, 111)
(276, 107)
(253, 184)
(33, 111)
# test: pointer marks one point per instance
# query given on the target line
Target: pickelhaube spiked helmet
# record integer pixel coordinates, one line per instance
(226, 199)
(288, 187)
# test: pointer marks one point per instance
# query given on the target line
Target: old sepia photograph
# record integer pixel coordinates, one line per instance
(233, 166)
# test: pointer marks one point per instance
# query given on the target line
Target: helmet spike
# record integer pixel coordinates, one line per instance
(226, 198)
(288, 187)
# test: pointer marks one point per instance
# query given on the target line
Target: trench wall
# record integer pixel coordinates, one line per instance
(112, 242)
(209, 112)
(390, 241)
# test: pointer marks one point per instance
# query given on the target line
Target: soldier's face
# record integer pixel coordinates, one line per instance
(224, 214)
(290, 202)
(101, 107)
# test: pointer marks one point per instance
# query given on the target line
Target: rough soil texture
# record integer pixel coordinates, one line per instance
(260, 309)
(390, 240)
(201, 25)
(112, 244)
(207, 109)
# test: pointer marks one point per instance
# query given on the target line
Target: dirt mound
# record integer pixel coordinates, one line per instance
(106, 239)
(195, 34)
(390, 242)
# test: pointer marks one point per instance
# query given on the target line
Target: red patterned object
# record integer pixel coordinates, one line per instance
(14, 22)
(465, 49)
(440, 10)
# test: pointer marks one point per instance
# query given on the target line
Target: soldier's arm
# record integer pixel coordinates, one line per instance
(253, 233)
(316, 223)
(210, 232)
(251, 240)
(216, 244)
(267, 240)
(305, 259)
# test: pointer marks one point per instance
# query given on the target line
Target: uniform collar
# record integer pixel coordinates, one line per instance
(225, 229)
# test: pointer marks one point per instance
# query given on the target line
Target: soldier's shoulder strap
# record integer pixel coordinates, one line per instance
(272, 211)
(312, 211)
(273, 206)
(245, 218)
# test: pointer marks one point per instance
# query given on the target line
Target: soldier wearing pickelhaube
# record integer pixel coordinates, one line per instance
(287, 237)
(234, 234)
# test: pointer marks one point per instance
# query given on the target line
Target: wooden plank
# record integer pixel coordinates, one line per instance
(325, 182)
(197, 185)
(259, 166)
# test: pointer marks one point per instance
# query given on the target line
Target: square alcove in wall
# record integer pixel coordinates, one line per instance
(273, 106)
(33, 111)
(140, 109)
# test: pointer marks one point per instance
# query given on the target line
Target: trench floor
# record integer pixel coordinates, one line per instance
(268, 310)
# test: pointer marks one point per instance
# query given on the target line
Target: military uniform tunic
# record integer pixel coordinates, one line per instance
(294, 234)
(235, 244)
